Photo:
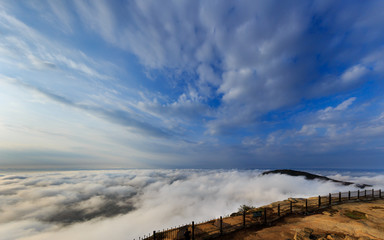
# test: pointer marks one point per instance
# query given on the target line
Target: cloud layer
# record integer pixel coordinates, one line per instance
(130, 203)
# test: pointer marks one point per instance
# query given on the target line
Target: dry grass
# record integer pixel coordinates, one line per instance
(357, 215)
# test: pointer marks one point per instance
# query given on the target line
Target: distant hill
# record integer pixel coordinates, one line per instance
(311, 176)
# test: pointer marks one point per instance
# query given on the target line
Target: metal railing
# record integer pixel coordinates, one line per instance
(262, 216)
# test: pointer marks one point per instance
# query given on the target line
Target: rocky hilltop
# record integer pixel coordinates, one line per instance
(310, 176)
(351, 221)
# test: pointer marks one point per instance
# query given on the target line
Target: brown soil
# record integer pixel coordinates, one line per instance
(353, 221)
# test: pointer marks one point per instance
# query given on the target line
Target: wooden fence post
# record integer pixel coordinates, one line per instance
(265, 216)
(193, 230)
(279, 210)
(221, 225)
(330, 199)
(243, 218)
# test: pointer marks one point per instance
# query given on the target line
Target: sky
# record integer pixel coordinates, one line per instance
(191, 84)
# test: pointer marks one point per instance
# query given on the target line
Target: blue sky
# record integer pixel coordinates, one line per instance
(191, 84)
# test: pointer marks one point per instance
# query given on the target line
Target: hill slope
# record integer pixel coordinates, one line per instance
(310, 176)
(350, 221)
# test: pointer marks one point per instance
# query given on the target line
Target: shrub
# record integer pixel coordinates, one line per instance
(245, 208)
(355, 215)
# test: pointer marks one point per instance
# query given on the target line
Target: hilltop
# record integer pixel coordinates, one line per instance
(310, 176)
(348, 221)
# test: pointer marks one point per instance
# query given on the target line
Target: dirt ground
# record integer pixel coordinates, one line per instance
(349, 221)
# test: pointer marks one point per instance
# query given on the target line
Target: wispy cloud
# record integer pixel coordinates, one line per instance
(105, 23)
(124, 118)
(63, 14)
(200, 77)
(324, 133)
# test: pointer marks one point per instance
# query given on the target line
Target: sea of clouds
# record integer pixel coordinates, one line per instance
(126, 204)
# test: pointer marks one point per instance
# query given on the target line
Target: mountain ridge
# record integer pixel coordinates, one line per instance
(311, 176)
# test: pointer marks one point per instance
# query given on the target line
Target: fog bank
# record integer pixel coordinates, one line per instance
(126, 204)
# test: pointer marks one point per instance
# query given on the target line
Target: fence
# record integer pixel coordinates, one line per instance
(261, 217)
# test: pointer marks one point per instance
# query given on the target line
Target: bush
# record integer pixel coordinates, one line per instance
(355, 215)
(245, 208)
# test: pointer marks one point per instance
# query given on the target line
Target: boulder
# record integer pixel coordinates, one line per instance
(304, 234)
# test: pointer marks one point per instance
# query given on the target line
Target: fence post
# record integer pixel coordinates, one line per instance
(373, 193)
(265, 216)
(278, 210)
(154, 235)
(221, 225)
(379, 193)
(243, 218)
(290, 206)
(319, 201)
(358, 194)
(330, 199)
(306, 206)
(365, 193)
(339, 196)
(349, 195)
(193, 230)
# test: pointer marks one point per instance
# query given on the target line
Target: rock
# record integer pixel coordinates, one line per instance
(304, 234)
(308, 230)
(364, 238)
(327, 213)
(350, 238)
(321, 236)
(334, 237)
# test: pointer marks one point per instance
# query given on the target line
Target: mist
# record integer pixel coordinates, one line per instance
(126, 204)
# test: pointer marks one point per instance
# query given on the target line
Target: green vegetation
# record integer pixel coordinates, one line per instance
(245, 208)
(375, 207)
(332, 211)
(355, 215)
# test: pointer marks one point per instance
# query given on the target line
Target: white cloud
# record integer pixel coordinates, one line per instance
(64, 16)
(334, 112)
(354, 74)
(104, 23)
(96, 204)
(25, 43)
(344, 105)
(278, 51)
(350, 127)
(375, 61)
(308, 130)
(191, 37)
